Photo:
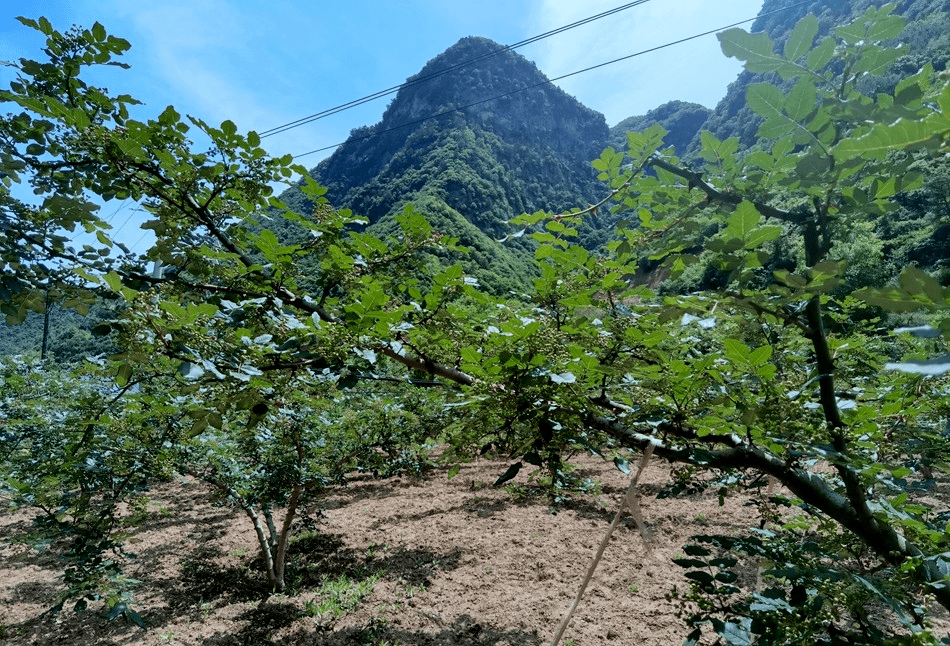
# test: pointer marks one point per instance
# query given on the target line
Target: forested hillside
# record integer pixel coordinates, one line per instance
(483, 162)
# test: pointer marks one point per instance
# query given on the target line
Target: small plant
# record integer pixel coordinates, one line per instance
(633, 588)
(205, 609)
(138, 510)
(338, 597)
(6, 632)
(168, 637)
(373, 631)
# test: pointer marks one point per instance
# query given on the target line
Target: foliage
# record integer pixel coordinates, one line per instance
(339, 596)
(71, 454)
(779, 369)
(226, 365)
(925, 36)
(724, 376)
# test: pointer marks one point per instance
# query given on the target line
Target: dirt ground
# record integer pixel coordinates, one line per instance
(438, 561)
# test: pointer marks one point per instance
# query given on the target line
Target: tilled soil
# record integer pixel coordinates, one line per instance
(443, 561)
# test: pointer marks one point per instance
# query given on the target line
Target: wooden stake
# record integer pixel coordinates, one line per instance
(631, 499)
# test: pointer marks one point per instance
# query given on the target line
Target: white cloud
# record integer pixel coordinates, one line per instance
(196, 50)
(692, 71)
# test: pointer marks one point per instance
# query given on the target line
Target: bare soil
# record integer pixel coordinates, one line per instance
(447, 561)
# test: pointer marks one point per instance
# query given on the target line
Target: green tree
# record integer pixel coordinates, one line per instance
(775, 371)
(219, 332)
(72, 453)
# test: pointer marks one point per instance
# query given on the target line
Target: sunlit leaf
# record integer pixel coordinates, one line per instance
(509, 474)
(800, 40)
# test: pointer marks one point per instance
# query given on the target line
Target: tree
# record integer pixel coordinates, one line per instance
(776, 372)
(217, 332)
(69, 452)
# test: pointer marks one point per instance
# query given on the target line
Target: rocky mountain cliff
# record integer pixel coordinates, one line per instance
(483, 161)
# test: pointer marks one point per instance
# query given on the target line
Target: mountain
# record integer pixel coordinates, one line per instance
(683, 121)
(483, 161)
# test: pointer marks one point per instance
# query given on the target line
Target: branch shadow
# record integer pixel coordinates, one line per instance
(463, 631)
(317, 557)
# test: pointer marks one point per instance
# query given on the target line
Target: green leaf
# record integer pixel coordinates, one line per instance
(743, 221)
(736, 351)
(801, 100)
(123, 374)
(622, 465)
(509, 474)
(800, 40)
(760, 355)
(99, 32)
(117, 610)
(886, 28)
(689, 563)
(698, 575)
(761, 235)
(755, 49)
(919, 283)
(228, 128)
(114, 282)
(736, 635)
(533, 458)
(821, 55)
(169, 116)
(727, 576)
(135, 618)
(904, 134)
(765, 100)
(696, 550)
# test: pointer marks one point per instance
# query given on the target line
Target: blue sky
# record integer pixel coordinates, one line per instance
(263, 64)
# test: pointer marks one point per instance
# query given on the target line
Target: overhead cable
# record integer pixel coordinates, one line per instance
(421, 79)
(550, 81)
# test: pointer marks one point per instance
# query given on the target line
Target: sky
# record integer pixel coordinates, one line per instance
(265, 64)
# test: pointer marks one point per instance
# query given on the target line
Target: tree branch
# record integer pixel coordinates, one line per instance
(695, 180)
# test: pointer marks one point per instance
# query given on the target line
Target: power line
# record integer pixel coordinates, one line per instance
(452, 68)
(550, 81)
